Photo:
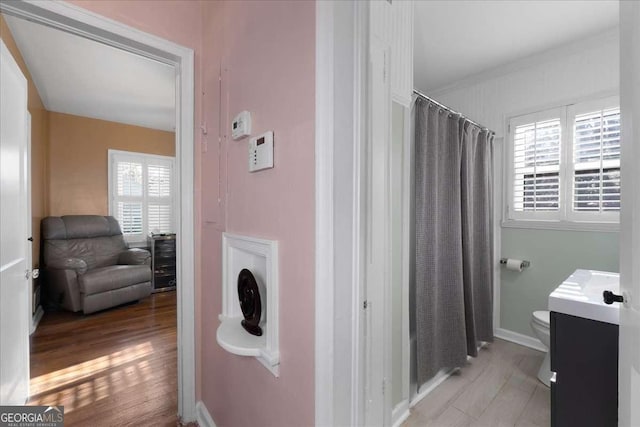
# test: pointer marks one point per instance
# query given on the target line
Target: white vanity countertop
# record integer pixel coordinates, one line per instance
(581, 295)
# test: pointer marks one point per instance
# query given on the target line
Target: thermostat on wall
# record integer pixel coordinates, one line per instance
(241, 125)
(261, 152)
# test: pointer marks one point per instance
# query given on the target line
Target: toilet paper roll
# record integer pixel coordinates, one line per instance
(514, 264)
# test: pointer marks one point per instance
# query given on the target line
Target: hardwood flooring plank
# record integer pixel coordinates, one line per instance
(113, 368)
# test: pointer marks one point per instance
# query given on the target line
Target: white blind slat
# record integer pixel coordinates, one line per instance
(130, 217)
(596, 155)
(536, 174)
(159, 181)
(159, 218)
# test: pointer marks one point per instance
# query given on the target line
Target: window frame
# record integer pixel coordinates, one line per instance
(145, 159)
(565, 218)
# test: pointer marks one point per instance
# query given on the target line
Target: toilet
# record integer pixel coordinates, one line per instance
(540, 325)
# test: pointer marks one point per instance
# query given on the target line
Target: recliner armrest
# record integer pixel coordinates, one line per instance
(134, 256)
(76, 264)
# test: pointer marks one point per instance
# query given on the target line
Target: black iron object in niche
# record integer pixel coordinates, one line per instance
(250, 302)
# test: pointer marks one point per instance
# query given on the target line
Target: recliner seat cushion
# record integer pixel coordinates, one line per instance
(113, 277)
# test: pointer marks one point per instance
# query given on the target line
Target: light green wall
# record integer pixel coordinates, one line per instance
(554, 255)
(397, 140)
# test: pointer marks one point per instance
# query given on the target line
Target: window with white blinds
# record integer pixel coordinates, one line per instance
(564, 164)
(141, 193)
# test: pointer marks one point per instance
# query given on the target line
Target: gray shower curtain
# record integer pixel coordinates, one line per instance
(453, 243)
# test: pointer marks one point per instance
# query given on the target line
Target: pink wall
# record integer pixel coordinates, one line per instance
(266, 51)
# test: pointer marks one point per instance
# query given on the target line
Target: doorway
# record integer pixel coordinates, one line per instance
(77, 21)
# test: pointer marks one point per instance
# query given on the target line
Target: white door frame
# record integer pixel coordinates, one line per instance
(629, 352)
(341, 66)
(75, 20)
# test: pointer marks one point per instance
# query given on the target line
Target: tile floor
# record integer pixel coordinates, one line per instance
(498, 388)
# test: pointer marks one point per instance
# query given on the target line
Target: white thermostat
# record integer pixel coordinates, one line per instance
(241, 125)
(261, 152)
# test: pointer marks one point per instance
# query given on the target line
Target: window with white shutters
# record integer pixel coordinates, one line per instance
(564, 164)
(595, 189)
(536, 159)
(141, 193)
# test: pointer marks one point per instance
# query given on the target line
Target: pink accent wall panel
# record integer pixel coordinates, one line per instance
(265, 53)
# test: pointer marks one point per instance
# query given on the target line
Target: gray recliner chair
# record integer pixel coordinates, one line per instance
(88, 266)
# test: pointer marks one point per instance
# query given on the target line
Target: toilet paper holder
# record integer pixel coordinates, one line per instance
(525, 263)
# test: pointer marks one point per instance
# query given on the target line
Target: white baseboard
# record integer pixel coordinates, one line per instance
(430, 385)
(400, 413)
(521, 339)
(35, 320)
(203, 416)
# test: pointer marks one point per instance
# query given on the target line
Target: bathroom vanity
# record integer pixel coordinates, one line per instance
(584, 351)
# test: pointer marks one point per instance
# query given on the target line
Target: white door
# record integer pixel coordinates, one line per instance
(14, 282)
(629, 362)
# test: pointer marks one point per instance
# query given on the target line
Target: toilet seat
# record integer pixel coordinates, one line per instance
(542, 317)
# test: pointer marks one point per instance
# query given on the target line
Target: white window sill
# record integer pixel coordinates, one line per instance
(611, 227)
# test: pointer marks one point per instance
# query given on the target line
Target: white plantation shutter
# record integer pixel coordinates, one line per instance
(159, 218)
(141, 194)
(129, 177)
(537, 166)
(564, 165)
(159, 187)
(129, 216)
(596, 162)
(536, 154)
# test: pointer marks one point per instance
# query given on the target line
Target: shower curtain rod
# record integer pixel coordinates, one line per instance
(428, 98)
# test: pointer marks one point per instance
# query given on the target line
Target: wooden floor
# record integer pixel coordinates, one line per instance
(498, 388)
(113, 368)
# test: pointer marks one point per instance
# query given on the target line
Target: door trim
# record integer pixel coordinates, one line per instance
(341, 55)
(629, 344)
(75, 20)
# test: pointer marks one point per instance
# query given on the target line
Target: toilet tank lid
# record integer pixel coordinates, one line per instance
(542, 316)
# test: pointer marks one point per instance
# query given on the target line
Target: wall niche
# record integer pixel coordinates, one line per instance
(250, 275)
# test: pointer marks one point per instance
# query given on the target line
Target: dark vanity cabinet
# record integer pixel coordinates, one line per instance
(584, 358)
(163, 261)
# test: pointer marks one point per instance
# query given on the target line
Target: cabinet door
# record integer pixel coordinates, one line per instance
(584, 356)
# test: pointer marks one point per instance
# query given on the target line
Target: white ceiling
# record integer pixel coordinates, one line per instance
(458, 39)
(78, 76)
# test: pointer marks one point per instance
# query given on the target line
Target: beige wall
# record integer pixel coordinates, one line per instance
(39, 143)
(78, 163)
